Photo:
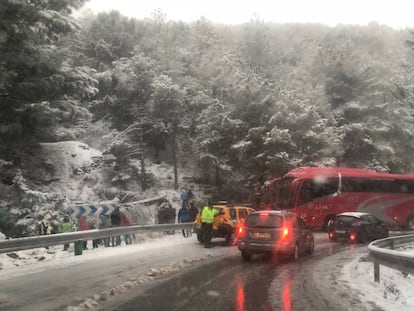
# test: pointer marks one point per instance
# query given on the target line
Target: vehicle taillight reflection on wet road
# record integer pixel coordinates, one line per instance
(286, 297)
(240, 296)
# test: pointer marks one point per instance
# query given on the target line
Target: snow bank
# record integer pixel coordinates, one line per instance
(394, 292)
(40, 259)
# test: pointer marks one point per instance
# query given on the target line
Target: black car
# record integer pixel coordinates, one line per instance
(274, 233)
(357, 227)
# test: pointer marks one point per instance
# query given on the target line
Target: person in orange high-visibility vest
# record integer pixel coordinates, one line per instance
(207, 217)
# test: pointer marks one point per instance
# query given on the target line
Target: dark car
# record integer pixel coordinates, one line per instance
(274, 233)
(357, 227)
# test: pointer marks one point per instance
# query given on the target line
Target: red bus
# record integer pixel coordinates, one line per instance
(317, 194)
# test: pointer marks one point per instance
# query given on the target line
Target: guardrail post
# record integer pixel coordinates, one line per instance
(376, 272)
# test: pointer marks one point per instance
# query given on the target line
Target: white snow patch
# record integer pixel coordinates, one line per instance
(213, 293)
(394, 292)
(75, 154)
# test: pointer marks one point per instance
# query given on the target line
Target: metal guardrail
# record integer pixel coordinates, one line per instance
(19, 244)
(383, 252)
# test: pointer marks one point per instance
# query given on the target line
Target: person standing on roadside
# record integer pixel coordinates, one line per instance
(116, 221)
(207, 217)
(44, 227)
(171, 214)
(127, 222)
(184, 216)
(83, 226)
(193, 211)
(66, 226)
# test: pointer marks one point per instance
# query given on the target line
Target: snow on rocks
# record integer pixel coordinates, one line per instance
(89, 304)
(153, 272)
(77, 155)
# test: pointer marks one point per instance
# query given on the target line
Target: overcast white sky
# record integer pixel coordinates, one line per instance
(395, 13)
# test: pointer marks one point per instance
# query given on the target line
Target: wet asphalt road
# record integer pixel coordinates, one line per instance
(232, 284)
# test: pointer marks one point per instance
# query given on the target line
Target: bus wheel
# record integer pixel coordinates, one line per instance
(410, 223)
(327, 220)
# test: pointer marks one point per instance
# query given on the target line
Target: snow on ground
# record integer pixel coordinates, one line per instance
(394, 292)
(348, 277)
(407, 248)
(24, 263)
(40, 259)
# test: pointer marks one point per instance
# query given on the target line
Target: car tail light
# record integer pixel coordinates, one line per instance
(240, 231)
(285, 233)
(331, 234)
(352, 237)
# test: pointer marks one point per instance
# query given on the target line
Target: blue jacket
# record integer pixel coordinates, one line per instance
(183, 215)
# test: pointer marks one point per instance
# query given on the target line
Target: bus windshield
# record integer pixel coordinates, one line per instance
(284, 198)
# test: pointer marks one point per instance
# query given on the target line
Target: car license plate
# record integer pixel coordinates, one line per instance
(260, 235)
(340, 231)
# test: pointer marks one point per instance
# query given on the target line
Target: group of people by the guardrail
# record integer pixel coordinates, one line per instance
(166, 215)
(116, 219)
(187, 213)
(120, 219)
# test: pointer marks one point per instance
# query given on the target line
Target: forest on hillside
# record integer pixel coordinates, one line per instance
(238, 104)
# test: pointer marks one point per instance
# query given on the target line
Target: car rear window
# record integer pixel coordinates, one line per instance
(233, 213)
(346, 220)
(264, 221)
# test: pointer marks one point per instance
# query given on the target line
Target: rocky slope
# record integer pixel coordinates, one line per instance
(53, 176)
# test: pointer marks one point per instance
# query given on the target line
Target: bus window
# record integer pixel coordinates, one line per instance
(282, 194)
(316, 189)
(377, 185)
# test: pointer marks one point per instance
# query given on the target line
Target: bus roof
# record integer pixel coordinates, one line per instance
(312, 172)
